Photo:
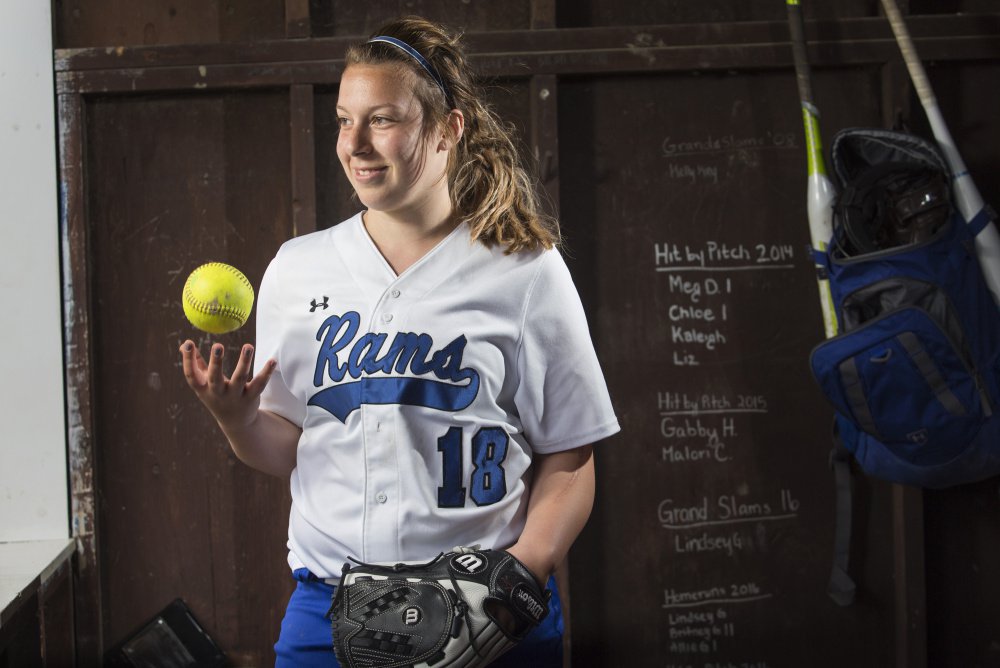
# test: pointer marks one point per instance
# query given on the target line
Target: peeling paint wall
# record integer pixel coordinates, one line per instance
(33, 488)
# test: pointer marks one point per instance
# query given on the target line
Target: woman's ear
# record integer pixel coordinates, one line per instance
(454, 128)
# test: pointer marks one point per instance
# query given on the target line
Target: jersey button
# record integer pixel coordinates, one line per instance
(387, 317)
(381, 497)
(395, 293)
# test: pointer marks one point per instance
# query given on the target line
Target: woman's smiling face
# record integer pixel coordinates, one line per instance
(394, 165)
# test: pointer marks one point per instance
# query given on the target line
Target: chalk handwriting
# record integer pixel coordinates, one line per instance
(696, 289)
(714, 451)
(682, 403)
(727, 509)
(675, 148)
(722, 256)
(744, 592)
(694, 173)
(688, 427)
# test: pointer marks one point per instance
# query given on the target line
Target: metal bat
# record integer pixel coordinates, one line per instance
(820, 191)
(967, 196)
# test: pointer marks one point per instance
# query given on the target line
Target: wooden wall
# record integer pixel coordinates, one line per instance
(667, 135)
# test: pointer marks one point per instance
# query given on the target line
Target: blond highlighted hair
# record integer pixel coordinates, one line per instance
(488, 185)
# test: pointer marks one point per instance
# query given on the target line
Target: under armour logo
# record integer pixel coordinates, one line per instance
(471, 563)
(325, 304)
(919, 437)
(411, 616)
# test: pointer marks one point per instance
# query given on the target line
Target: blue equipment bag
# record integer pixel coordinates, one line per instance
(914, 375)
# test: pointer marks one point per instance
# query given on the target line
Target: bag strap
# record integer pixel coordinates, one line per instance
(854, 392)
(841, 587)
(932, 376)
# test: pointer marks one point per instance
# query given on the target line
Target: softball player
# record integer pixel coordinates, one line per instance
(424, 372)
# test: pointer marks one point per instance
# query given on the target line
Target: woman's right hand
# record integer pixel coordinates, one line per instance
(233, 401)
(260, 438)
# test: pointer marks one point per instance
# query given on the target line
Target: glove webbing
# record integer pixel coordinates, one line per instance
(338, 595)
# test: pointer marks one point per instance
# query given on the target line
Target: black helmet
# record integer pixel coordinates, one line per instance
(894, 191)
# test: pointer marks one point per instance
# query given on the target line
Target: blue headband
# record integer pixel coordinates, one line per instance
(413, 53)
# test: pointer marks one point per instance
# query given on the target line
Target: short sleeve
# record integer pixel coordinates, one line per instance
(562, 397)
(277, 397)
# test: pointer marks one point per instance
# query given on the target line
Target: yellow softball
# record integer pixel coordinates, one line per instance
(217, 298)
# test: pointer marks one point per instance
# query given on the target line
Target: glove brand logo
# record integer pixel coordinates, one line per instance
(919, 437)
(412, 616)
(470, 563)
(529, 603)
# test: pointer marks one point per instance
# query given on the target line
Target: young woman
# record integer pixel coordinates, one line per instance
(429, 380)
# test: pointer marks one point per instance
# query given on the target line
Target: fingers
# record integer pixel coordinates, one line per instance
(243, 373)
(201, 374)
(193, 365)
(216, 380)
(244, 365)
(259, 382)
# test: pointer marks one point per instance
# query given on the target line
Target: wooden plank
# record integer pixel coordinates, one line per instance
(830, 41)
(56, 617)
(544, 124)
(253, 507)
(150, 22)
(349, 17)
(543, 14)
(88, 616)
(170, 485)
(909, 573)
(297, 22)
(654, 167)
(910, 588)
(20, 638)
(652, 59)
(303, 159)
(615, 12)
(597, 61)
(545, 137)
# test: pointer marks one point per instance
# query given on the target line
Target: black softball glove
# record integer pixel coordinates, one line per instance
(461, 609)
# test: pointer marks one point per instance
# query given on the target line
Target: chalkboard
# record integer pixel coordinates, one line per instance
(712, 539)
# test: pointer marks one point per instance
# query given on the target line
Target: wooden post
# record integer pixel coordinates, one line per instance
(89, 613)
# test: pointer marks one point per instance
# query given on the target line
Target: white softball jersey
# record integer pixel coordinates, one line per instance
(422, 396)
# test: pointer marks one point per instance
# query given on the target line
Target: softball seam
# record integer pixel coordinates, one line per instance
(225, 311)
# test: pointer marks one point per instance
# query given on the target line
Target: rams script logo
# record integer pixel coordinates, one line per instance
(376, 368)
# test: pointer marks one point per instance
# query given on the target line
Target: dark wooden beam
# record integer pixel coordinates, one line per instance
(909, 571)
(303, 159)
(704, 35)
(544, 92)
(910, 577)
(297, 23)
(543, 14)
(665, 48)
(89, 614)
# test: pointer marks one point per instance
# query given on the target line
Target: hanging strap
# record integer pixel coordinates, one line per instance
(854, 392)
(841, 587)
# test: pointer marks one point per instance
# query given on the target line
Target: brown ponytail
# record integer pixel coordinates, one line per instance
(489, 187)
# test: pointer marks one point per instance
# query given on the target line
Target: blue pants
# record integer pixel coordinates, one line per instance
(306, 638)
